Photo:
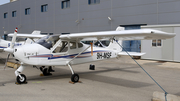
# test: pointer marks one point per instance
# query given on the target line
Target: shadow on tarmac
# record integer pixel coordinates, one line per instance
(93, 75)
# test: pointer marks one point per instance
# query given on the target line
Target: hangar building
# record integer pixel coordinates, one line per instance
(71, 16)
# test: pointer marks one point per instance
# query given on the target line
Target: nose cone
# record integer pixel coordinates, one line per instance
(18, 53)
(25, 53)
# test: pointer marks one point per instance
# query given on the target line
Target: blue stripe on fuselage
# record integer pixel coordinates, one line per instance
(51, 56)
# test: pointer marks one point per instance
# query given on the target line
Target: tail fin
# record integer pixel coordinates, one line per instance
(30, 41)
(36, 32)
(120, 28)
(114, 46)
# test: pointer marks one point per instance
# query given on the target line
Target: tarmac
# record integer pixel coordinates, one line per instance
(112, 80)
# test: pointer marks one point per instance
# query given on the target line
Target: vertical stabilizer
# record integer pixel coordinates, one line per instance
(30, 41)
(36, 32)
(114, 46)
(120, 28)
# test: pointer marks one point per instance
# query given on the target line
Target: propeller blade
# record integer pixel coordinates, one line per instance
(6, 61)
(14, 38)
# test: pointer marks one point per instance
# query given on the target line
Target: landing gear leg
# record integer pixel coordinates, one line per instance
(20, 78)
(74, 77)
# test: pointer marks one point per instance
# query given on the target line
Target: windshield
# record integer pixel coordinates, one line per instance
(48, 41)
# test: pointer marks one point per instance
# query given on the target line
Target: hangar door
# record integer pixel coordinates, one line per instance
(132, 45)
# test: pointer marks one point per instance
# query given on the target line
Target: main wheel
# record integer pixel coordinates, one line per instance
(46, 72)
(75, 78)
(21, 80)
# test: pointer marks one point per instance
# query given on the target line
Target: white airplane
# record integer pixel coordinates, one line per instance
(56, 50)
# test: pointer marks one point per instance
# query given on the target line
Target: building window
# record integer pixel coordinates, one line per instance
(93, 2)
(13, 13)
(5, 15)
(156, 43)
(27, 11)
(65, 4)
(44, 8)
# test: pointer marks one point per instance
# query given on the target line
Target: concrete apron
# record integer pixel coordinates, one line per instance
(159, 96)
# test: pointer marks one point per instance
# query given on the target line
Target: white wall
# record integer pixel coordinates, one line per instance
(170, 49)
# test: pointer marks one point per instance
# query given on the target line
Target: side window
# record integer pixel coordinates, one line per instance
(90, 2)
(13, 13)
(65, 4)
(63, 47)
(5, 15)
(72, 45)
(44, 8)
(157, 43)
(80, 45)
(27, 11)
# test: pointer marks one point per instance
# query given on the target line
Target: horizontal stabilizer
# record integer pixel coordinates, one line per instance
(28, 35)
(131, 53)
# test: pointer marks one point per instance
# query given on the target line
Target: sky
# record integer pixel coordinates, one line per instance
(4, 1)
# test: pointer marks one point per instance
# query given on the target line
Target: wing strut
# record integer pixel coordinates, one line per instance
(143, 69)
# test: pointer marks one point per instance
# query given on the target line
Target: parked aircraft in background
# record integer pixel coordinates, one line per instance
(30, 38)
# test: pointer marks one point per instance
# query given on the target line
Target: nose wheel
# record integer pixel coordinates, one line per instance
(21, 79)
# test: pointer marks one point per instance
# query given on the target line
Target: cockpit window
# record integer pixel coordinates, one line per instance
(48, 41)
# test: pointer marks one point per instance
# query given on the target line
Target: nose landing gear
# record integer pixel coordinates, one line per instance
(20, 78)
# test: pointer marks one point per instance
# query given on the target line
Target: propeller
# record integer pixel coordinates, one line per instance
(11, 48)
(6, 61)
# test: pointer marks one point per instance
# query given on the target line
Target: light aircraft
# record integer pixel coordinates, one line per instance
(56, 50)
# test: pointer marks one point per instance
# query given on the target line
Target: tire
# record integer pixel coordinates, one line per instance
(75, 78)
(23, 80)
(91, 67)
(45, 72)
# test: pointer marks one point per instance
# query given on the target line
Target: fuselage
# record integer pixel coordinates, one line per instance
(36, 54)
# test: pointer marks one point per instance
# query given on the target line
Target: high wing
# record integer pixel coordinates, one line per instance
(27, 35)
(35, 34)
(138, 34)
